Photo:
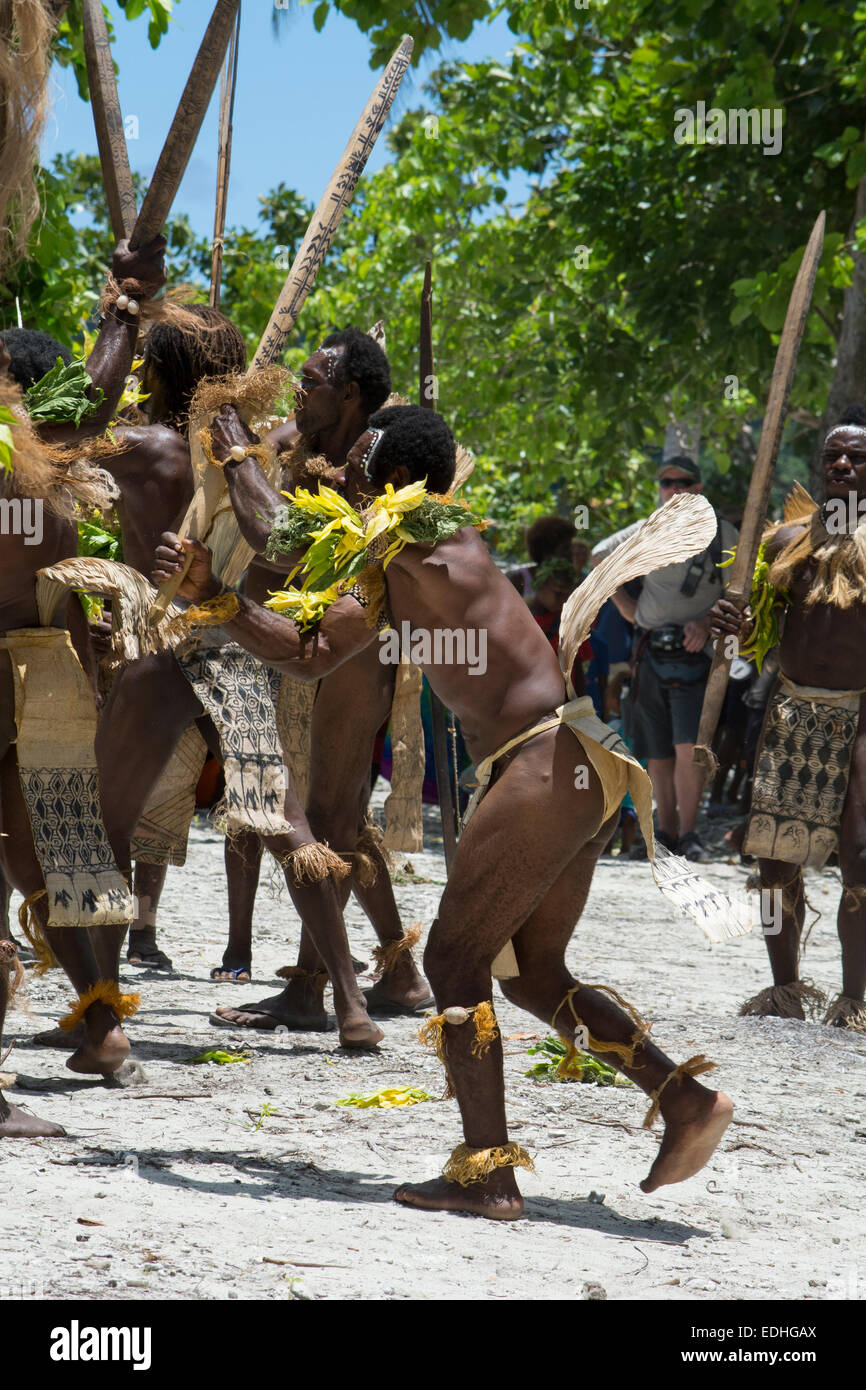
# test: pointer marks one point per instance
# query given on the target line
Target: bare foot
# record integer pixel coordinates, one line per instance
(694, 1124)
(17, 1124)
(223, 975)
(106, 1046)
(358, 1030)
(402, 990)
(295, 1008)
(497, 1197)
(55, 1037)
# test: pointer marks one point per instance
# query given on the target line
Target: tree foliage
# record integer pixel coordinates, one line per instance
(594, 277)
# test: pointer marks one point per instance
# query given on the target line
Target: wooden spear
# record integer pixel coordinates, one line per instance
(108, 120)
(228, 83)
(429, 399)
(186, 125)
(739, 585)
(298, 284)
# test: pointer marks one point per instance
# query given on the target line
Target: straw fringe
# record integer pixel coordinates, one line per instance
(212, 613)
(839, 563)
(55, 474)
(103, 992)
(9, 960)
(848, 1013)
(387, 956)
(33, 931)
(468, 1165)
(793, 1000)
(25, 61)
(314, 862)
(317, 978)
(432, 1033)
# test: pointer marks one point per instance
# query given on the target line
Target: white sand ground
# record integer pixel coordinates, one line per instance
(182, 1187)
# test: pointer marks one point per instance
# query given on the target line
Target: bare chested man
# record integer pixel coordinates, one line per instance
(88, 955)
(341, 384)
(809, 794)
(526, 858)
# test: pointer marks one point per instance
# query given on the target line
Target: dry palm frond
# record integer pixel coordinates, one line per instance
(680, 529)
(799, 504)
(132, 596)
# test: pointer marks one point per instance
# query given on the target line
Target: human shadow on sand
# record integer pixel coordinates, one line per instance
(295, 1178)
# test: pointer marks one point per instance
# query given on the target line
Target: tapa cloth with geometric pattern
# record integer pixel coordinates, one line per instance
(55, 719)
(801, 773)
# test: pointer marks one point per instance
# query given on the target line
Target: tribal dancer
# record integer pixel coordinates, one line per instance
(154, 476)
(809, 792)
(341, 384)
(54, 847)
(157, 699)
(525, 738)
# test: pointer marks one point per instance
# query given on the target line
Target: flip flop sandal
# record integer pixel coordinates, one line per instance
(234, 975)
(218, 1021)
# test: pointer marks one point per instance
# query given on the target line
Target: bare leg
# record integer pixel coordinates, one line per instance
(14, 1122)
(148, 884)
(243, 858)
(782, 893)
(851, 922)
(489, 893)
(661, 771)
(318, 905)
(689, 787)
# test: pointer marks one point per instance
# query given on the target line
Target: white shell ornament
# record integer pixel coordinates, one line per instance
(238, 453)
(455, 1015)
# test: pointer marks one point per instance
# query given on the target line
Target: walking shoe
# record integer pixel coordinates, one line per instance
(691, 848)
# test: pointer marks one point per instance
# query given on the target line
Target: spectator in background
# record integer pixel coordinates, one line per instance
(550, 537)
(672, 661)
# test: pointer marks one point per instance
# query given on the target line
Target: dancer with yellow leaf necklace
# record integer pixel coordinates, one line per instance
(525, 737)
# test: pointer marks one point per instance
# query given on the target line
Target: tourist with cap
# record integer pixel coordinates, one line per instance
(672, 658)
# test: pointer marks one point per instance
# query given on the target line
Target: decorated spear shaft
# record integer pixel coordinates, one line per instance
(186, 125)
(228, 85)
(428, 400)
(739, 585)
(332, 205)
(108, 120)
(297, 286)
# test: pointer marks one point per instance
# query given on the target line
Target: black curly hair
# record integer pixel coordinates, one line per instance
(33, 354)
(852, 415)
(363, 361)
(546, 535)
(418, 439)
(183, 357)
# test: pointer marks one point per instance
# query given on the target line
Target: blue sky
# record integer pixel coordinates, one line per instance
(298, 97)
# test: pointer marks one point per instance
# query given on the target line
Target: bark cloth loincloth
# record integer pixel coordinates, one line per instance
(801, 773)
(240, 694)
(619, 772)
(55, 722)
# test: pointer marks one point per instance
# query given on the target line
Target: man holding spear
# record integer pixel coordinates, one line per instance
(809, 794)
